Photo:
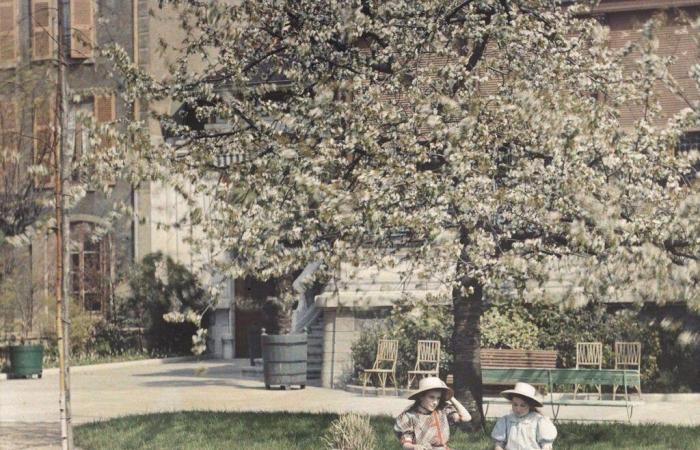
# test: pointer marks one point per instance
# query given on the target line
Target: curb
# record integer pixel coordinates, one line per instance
(118, 365)
(371, 391)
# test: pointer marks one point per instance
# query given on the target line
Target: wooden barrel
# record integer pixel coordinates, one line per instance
(284, 359)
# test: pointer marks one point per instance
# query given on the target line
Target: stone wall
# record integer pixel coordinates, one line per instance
(342, 327)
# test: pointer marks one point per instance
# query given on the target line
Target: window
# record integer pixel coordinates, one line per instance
(9, 43)
(82, 29)
(81, 141)
(90, 265)
(690, 141)
(105, 108)
(44, 139)
(43, 29)
(9, 140)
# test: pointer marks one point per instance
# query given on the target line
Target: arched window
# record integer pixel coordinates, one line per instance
(90, 267)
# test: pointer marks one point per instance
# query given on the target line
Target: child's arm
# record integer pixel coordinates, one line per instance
(464, 415)
(498, 447)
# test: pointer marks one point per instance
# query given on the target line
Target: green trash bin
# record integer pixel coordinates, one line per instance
(26, 360)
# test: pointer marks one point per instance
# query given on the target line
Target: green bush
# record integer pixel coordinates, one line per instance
(508, 329)
(669, 363)
(157, 286)
(110, 339)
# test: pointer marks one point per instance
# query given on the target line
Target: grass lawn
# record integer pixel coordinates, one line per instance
(283, 431)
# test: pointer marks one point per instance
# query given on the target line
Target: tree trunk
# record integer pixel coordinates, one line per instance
(467, 299)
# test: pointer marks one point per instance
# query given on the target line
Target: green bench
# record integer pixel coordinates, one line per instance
(550, 377)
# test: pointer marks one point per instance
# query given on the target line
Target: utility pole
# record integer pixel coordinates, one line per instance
(62, 235)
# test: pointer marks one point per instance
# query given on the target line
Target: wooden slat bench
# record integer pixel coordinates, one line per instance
(508, 358)
(497, 357)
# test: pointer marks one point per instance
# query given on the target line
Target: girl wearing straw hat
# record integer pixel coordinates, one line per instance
(525, 428)
(426, 424)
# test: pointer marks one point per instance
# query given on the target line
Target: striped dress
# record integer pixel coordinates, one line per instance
(430, 430)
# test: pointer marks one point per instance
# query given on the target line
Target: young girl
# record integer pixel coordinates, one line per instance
(525, 428)
(426, 424)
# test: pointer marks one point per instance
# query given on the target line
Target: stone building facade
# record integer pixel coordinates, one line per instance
(100, 248)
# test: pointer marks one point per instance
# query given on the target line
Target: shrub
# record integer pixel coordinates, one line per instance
(669, 351)
(109, 339)
(351, 432)
(410, 320)
(81, 330)
(508, 329)
(157, 286)
(561, 329)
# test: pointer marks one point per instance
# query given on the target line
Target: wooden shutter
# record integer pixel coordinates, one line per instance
(82, 29)
(43, 138)
(105, 108)
(43, 34)
(9, 43)
(9, 122)
(9, 140)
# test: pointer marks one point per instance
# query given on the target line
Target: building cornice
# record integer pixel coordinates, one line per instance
(615, 6)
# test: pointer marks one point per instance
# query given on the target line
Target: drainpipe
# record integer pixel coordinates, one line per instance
(136, 115)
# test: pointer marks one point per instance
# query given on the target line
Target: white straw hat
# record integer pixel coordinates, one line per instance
(430, 383)
(523, 390)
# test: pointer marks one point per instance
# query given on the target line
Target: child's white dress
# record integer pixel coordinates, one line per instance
(532, 431)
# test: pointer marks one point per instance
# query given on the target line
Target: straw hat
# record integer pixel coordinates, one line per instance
(430, 383)
(523, 390)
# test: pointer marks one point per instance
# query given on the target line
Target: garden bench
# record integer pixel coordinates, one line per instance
(494, 358)
(582, 377)
(501, 357)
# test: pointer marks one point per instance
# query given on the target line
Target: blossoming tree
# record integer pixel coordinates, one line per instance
(484, 134)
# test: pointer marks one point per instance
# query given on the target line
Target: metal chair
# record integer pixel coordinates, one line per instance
(384, 365)
(428, 354)
(589, 354)
(628, 356)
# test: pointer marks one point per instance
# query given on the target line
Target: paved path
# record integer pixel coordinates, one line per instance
(29, 408)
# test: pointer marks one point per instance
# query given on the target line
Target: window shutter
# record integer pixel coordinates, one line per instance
(9, 43)
(9, 122)
(105, 108)
(9, 133)
(43, 139)
(42, 30)
(82, 29)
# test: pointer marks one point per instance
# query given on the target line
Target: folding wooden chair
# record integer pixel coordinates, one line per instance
(589, 354)
(384, 365)
(428, 354)
(628, 356)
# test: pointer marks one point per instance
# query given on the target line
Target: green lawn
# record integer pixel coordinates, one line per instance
(272, 431)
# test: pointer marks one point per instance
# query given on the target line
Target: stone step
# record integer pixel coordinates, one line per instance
(252, 371)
